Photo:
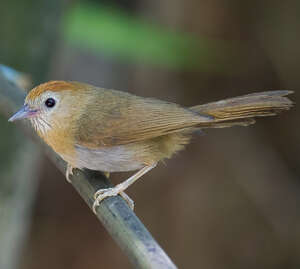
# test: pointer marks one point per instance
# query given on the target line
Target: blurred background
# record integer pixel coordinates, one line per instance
(231, 200)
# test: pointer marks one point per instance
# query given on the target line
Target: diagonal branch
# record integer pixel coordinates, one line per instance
(114, 213)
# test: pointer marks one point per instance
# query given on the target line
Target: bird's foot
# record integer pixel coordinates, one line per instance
(69, 172)
(120, 188)
(104, 193)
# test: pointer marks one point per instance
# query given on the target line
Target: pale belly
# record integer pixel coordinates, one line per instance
(113, 159)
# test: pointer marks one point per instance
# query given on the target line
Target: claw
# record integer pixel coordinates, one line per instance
(69, 172)
(128, 200)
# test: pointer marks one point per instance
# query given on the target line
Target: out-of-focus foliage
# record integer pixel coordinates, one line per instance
(28, 33)
(110, 30)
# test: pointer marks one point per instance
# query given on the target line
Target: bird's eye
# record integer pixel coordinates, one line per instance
(50, 102)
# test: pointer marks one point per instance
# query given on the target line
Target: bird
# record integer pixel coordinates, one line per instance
(114, 131)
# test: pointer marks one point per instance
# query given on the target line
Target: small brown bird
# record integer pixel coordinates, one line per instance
(113, 131)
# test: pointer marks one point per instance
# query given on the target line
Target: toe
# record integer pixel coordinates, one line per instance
(101, 192)
(95, 205)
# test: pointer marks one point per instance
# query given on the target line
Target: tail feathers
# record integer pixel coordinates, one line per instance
(242, 110)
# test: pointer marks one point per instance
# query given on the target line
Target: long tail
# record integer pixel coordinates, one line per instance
(242, 110)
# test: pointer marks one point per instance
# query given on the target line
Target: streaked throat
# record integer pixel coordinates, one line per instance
(41, 125)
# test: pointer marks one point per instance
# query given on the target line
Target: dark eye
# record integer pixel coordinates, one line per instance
(50, 102)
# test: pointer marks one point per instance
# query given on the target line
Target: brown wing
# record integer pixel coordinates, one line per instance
(117, 118)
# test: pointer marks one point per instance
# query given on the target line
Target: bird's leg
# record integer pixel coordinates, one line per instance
(107, 174)
(120, 188)
(129, 201)
(69, 172)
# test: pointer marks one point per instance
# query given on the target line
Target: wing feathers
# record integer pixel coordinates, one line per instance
(120, 118)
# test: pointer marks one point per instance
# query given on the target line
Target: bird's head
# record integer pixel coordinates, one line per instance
(54, 103)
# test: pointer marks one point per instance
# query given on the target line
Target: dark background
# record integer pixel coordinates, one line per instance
(232, 198)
